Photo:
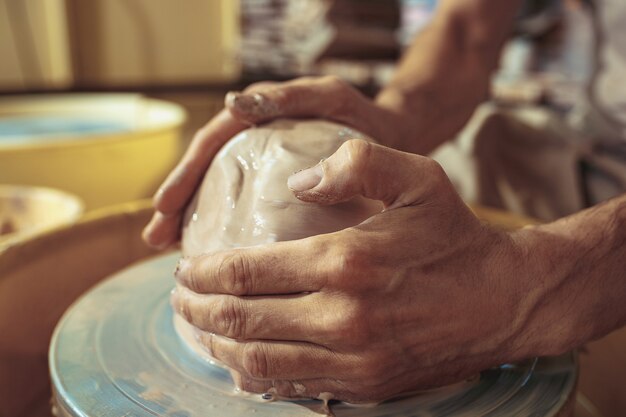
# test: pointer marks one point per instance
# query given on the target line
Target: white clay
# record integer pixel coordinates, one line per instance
(244, 199)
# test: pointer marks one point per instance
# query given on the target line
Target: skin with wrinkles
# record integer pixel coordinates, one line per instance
(419, 295)
(352, 323)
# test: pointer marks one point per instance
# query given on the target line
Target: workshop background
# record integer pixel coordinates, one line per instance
(193, 54)
(120, 86)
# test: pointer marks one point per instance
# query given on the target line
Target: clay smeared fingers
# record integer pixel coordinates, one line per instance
(162, 231)
(276, 268)
(258, 318)
(326, 97)
(271, 360)
(177, 189)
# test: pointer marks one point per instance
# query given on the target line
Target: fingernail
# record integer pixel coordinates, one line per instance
(244, 103)
(229, 100)
(181, 267)
(306, 179)
(255, 105)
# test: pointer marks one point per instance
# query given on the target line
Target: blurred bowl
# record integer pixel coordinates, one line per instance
(105, 148)
(40, 278)
(26, 211)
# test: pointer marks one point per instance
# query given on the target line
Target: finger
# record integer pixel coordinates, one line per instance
(162, 231)
(276, 268)
(326, 97)
(363, 168)
(268, 318)
(177, 189)
(262, 360)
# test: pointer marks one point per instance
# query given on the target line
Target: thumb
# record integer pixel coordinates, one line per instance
(373, 171)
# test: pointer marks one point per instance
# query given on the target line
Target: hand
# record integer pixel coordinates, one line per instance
(322, 97)
(417, 296)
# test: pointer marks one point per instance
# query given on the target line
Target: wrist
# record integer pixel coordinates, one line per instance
(434, 112)
(510, 269)
(545, 327)
(567, 297)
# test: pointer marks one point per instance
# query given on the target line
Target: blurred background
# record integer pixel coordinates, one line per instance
(193, 54)
(99, 98)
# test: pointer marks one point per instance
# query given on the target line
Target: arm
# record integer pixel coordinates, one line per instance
(577, 270)
(446, 72)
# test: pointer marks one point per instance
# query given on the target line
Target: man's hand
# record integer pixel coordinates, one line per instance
(322, 97)
(440, 81)
(419, 295)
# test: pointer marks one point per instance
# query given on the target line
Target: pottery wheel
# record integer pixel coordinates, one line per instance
(115, 352)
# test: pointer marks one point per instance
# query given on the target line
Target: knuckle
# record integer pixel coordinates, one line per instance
(436, 174)
(347, 99)
(284, 97)
(289, 94)
(357, 155)
(233, 273)
(434, 168)
(352, 262)
(255, 361)
(229, 318)
(351, 325)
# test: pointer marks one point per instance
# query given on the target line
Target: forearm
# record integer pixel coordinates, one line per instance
(578, 278)
(445, 74)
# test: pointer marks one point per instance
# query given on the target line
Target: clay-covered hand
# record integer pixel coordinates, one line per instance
(420, 295)
(320, 97)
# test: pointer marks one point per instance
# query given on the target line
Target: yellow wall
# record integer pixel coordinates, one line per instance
(34, 46)
(117, 43)
(130, 42)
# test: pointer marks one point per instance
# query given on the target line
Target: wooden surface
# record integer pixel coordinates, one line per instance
(40, 278)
